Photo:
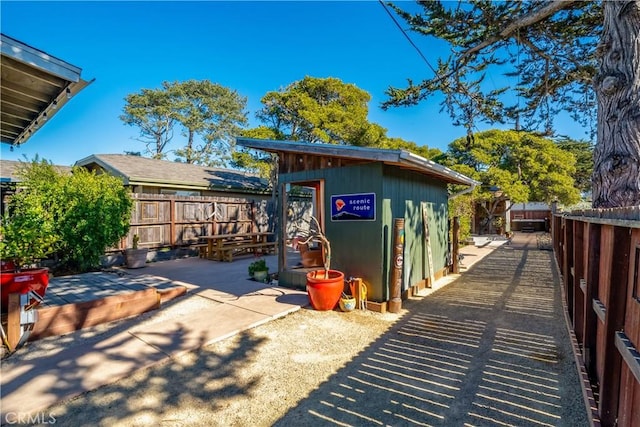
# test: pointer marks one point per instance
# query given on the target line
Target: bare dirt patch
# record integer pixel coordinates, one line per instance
(253, 378)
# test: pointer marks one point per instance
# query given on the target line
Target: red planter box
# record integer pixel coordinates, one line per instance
(35, 280)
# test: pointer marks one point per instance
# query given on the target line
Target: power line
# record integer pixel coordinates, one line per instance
(393, 18)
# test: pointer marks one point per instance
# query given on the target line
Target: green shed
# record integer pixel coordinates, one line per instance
(357, 194)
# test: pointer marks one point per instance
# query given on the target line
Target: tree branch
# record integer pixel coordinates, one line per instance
(523, 21)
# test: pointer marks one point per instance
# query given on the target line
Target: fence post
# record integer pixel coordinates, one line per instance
(456, 245)
(614, 321)
(579, 298)
(591, 274)
(567, 267)
(13, 320)
(172, 219)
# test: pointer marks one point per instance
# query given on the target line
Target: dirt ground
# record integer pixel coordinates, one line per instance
(491, 348)
(251, 379)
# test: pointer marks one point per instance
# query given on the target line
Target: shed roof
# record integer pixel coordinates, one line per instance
(136, 170)
(341, 155)
(35, 86)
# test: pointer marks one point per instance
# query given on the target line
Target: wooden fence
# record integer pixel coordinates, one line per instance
(169, 221)
(598, 252)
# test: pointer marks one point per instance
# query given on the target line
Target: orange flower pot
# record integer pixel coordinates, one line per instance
(324, 292)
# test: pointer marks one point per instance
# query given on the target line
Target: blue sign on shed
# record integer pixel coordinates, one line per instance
(353, 207)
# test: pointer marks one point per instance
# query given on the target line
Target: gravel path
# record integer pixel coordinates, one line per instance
(490, 349)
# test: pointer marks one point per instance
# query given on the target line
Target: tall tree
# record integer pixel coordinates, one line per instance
(208, 114)
(211, 111)
(321, 110)
(552, 49)
(519, 166)
(583, 152)
(420, 150)
(151, 111)
(616, 177)
(256, 160)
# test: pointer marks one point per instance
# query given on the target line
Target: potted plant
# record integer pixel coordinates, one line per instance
(259, 270)
(136, 257)
(347, 302)
(498, 224)
(26, 237)
(325, 286)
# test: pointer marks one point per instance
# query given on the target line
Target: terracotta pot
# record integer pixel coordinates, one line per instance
(324, 292)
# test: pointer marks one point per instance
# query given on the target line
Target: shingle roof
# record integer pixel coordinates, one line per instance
(136, 170)
(8, 170)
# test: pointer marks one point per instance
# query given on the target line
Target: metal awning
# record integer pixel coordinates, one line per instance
(34, 85)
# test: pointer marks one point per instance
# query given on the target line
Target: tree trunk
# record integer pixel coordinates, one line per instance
(616, 172)
(189, 156)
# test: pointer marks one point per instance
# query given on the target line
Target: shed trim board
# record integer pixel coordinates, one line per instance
(399, 158)
(404, 185)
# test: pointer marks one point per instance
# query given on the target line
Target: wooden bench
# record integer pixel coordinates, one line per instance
(229, 249)
(203, 250)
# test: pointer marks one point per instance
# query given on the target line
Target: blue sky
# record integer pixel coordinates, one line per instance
(252, 47)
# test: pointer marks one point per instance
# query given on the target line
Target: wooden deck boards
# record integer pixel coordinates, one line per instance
(84, 300)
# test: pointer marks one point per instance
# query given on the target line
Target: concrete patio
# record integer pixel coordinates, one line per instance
(220, 301)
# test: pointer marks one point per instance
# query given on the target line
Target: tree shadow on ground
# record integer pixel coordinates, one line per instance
(113, 402)
(155, 396)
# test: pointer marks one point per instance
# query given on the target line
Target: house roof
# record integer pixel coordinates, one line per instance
(9, 168)
(35, 86)
(136, 170)
(347, 154)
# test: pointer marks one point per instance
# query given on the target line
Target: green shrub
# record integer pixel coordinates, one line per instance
(74, 216)
(28, 228)
(462, 207)
(95, 214)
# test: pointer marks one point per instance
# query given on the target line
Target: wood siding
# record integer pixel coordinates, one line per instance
(356, 245)
(407, 192)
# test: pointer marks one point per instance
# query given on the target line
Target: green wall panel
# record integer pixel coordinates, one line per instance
(364, 248)
(406, 192)
(356, 244)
